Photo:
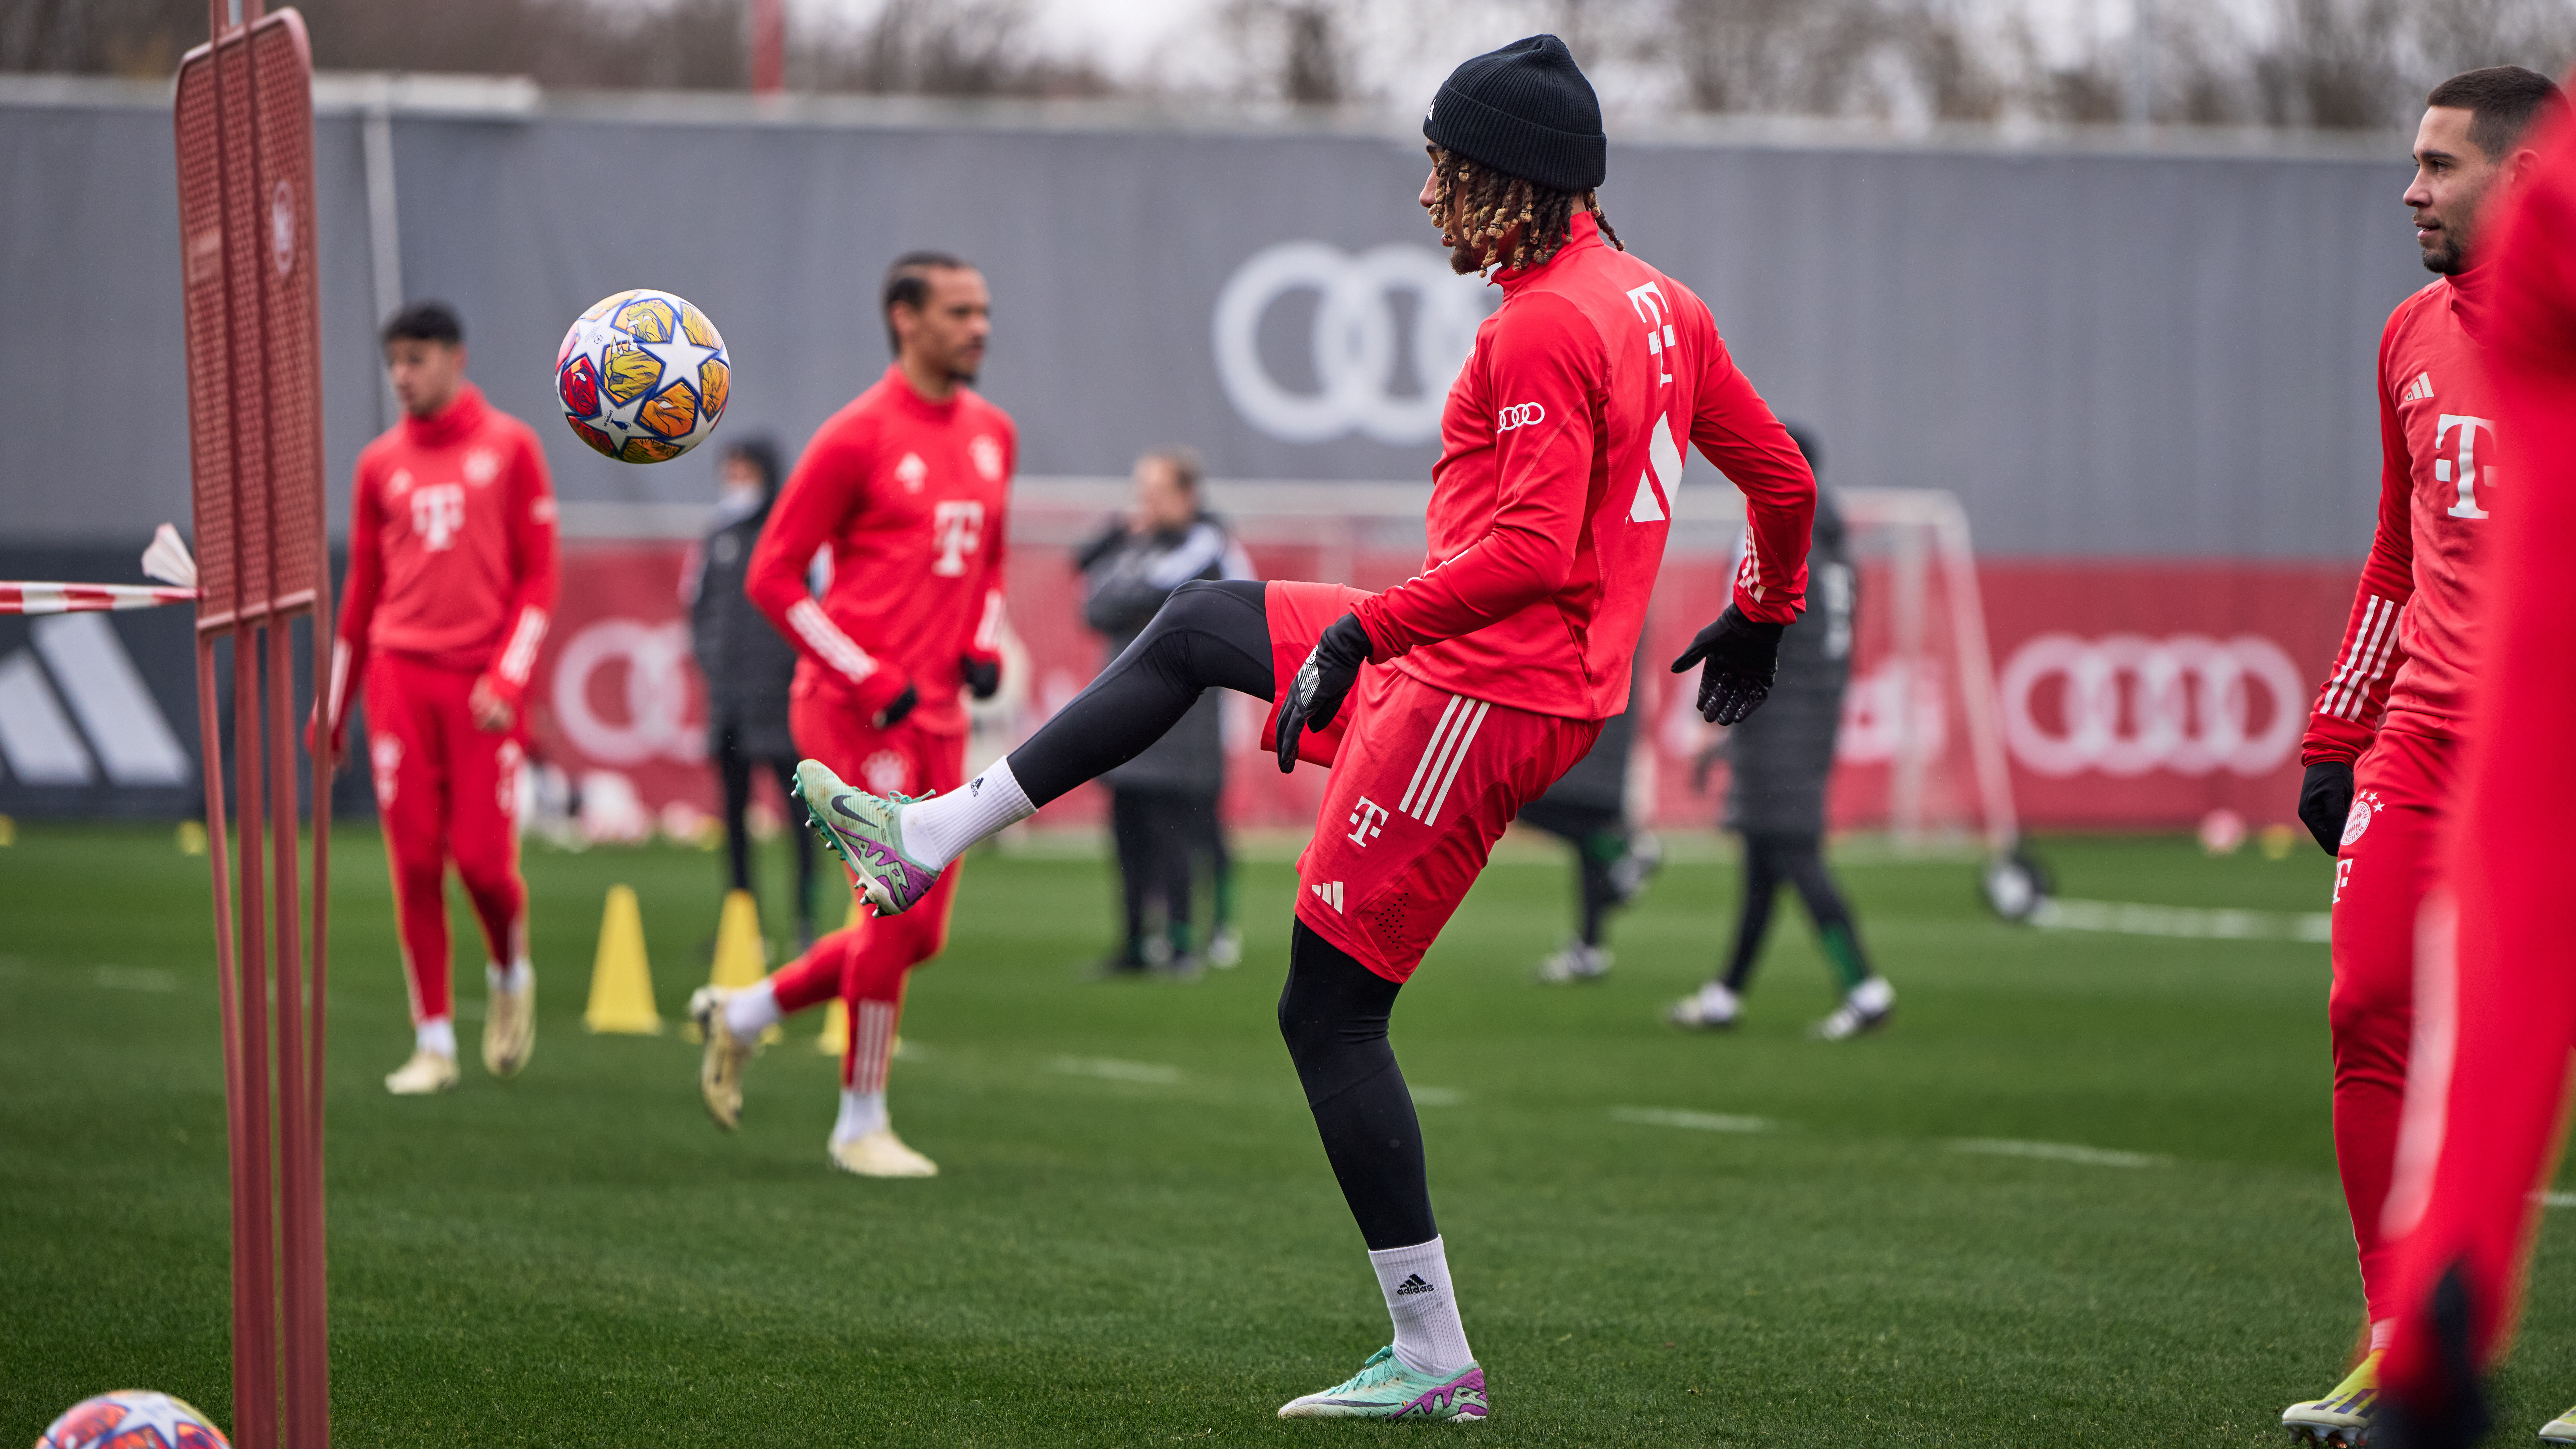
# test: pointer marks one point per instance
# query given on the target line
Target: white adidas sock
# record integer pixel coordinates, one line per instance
(517, 976)
(861, 1114)
(2382, 1333)
(436, 1035)
(939, 829)
(752, 1010)
(1428, 1336)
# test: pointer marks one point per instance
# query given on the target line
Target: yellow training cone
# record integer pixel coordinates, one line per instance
(621, 981)
(742, 957)
(836, 1029)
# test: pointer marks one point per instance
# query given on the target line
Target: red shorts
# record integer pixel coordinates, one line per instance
(903, 760)
(1424, 781)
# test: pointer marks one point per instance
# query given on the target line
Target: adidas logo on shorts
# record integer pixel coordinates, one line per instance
(1330, 893)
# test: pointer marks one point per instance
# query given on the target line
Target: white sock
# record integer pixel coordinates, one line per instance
(1428, 1336)
(752, 1010)
(436, 1035)
(519, 975)
(861, 1114)
(2381, 1333)
(939, 829)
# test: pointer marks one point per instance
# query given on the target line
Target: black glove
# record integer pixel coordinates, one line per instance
(2325, 798)
(1315, 695)
(1743, 659)
(983, 676)
(896, 708)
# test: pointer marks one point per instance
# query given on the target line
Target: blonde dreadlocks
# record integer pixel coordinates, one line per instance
(1478, 205)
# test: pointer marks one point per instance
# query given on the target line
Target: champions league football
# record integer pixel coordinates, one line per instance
(642, 376)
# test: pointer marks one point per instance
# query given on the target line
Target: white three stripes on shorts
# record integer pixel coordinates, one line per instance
(2348, 689)
(1441, 758)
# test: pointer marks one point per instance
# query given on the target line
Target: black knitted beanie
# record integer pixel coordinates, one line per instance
(1524, 110)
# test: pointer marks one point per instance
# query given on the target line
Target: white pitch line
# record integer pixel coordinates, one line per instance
(2556, 1199)
(2123, 918)
(1152, 1074)
(2059, 1152)
(1439, 1096)
(1695, 1121)
(134, 978)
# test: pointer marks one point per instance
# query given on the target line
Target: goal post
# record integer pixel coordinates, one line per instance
(243, 123)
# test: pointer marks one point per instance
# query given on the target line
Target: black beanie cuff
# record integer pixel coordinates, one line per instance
(1557, 160)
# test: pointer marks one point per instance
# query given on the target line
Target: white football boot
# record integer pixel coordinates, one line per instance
(510, 1024)
(720, 1068)
(426, 1074)
(1576, 962)
(881, 1154)
(1865, 1008)
(1711, 1008)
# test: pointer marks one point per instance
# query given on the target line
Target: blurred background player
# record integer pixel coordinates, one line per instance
(2382, 747)
(747, 667)
(907, 488)
(1495, 665)
(1163, 804)
(2485, 1112)
(451, 579)
(1779, 765)
(1588, 810)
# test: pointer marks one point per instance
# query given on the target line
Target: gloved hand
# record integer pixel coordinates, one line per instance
(2325, 798)
(1315, 695)
(896, 708)
(1743, 658)
(983, 676)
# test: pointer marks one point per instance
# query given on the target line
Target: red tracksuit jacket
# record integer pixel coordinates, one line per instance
(451, 550)
(1560, 457)
(910, 497)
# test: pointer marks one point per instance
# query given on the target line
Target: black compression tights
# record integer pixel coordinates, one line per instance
(1771, 861)
(1207, 634)
(1333, 1013)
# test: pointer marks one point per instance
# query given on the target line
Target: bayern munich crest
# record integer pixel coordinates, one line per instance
(642, 376)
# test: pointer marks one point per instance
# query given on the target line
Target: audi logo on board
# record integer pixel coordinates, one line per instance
(1519, 415)
(2126, 704)
(1355, 355)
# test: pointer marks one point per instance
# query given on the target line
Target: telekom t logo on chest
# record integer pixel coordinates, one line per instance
(438, 515)
(2463, 469)
(957, 530)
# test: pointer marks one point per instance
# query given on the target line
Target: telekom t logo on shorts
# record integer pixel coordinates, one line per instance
(2463, 470)
(438, 515)
(956, 529)
(1365, 822)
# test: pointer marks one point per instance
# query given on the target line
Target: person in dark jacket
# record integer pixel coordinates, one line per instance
(1781, 760)
(1163, 803)
(746, 665)
(1587, 808)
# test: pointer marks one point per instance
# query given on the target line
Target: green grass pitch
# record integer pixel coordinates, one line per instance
(1135, 1239)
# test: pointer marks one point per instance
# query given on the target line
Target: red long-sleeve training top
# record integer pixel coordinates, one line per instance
(451, 550)
(1560, 459)
(911, 497)
(2411, 643)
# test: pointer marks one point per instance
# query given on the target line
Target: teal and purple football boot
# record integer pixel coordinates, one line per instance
(866, 832)
(1385, 1389)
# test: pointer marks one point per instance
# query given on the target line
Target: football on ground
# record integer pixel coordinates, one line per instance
(2081, 1192)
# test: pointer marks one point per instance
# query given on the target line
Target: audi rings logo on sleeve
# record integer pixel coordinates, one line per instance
(2128, 704)
(656, 693)
(1353, 343)
(1519, 415)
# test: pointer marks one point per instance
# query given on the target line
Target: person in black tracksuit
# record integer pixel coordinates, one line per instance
(1781, 760)
(1163, 803)
(746, 665)
(1587, 808)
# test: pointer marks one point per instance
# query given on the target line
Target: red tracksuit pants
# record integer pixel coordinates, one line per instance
(867, 964)
(2390, 857)
(445, 791)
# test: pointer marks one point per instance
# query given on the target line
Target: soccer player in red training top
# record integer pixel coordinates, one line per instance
(2486, 1097)
(1470, 688)
(2398, 693)
(905, 490)
(451, 578)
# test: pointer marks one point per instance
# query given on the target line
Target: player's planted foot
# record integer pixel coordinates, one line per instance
(1385, 1389)
(1865, 1007)
(1577, 962)
(866, 832)
(881, 1154)
(2561, 1430)
(720, 1069)
(2342, 1417)
(1711, 1008)
(1225, 949)
(426, 1074)
(510, 1020)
